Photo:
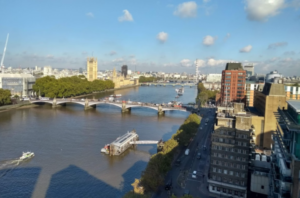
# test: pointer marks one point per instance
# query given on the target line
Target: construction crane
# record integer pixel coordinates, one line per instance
(2, 60)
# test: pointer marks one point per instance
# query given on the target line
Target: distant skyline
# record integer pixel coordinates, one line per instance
(162, 35)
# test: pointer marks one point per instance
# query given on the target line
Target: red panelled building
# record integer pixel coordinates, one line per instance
(233, 83)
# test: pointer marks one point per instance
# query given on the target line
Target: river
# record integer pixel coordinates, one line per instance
(67, 142)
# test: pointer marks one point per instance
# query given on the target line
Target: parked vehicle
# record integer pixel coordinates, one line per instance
(194, 175)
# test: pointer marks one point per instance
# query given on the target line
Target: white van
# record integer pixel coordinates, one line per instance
(187, 151)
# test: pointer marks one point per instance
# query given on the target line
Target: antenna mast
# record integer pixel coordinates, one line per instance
(4, 51)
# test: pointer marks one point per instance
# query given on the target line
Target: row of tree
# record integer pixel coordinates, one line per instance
(5, 97)
(144, 79)
(204, 94)
(160, 163)
(69, 86)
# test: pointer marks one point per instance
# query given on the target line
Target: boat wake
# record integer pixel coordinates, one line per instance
(8, 165)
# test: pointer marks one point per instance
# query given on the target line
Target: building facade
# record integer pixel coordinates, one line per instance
(92, 68)
(18, 84)
(214, 78)
(249, 70)
(124, 70)
(233, 83)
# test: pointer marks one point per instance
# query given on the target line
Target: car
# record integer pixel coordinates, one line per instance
(168, 185)
(194, 175)
(199, 156)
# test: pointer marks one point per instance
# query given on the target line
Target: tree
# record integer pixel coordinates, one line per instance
(5, 97)
(203, 96)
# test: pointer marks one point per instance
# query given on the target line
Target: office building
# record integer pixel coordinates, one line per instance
(285, 171)
(230, 149)
(266, 102)
(233, 83)
(18, 84)
(92, 67)
(214, 78)
(124, 70)
(249, 70)
(47, 71)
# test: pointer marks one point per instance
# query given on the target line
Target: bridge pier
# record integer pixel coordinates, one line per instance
(55, 105)
(160, 110)
(124, 109)
(86, 105)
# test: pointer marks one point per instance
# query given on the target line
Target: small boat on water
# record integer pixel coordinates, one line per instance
(116, 95)
(180, 91)
(26, 155)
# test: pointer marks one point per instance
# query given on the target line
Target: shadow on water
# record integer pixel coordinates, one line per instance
(18, 183)
(75, 182)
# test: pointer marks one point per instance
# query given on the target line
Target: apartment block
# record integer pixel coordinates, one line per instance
(233, 83)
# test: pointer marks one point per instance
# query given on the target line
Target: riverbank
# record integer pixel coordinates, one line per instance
(27, 104)
(21, 105)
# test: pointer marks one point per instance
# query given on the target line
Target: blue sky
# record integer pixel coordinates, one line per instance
(149, 35)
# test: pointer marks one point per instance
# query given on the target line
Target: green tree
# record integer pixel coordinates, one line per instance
(5, 97)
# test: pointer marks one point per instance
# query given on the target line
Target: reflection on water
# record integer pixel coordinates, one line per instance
(67, 142)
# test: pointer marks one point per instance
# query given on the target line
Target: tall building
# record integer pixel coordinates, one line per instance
(249, 70)
(266, 102)
(233, 83)
(92, 67)
(47, 71)
(124, 70)
(230, 149)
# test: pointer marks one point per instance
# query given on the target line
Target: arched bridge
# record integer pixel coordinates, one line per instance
(125, 105)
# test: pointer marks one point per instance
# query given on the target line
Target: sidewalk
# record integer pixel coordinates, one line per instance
(14, 106)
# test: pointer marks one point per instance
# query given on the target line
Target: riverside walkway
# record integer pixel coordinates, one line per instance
(124, 105)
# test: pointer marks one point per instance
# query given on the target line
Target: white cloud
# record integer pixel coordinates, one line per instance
(186, 9)
(90, 14)
(112, 53)
(205, 1)
(126, 17)
(162, 37)
(246, 49)
(213, 62)
(209, 40)
(185, 62)
(199, 62)
(261, 10)
(275, 45)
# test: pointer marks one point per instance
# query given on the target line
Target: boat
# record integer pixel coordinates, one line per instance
(121, 144)
(111, 99)
(26, 155)
(180, 91)
(116, 95)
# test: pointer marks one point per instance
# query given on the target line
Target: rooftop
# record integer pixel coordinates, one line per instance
(295, 104)
(234, 66)
(274, 89)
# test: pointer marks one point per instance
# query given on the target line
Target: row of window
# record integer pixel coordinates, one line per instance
(225, 156)
(228, 191)
(229, 164)
(229, 73)
(242, 136)
(228, 180)
(229, 141)
(224, 148)
(227, 172)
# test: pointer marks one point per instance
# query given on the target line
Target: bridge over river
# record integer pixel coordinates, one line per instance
(124, 105)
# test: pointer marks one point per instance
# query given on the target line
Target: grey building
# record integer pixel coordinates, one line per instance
(18, 84)
(124, 70)
(249, 70)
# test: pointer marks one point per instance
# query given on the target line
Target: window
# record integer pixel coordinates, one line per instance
(239, 150)
(238, 166)
(230, 172)
(242, 184)
(218, 189)
(224, 190)
(228, 73)
(220, 148)
(226, 164)
(240, 73)
(243, 159)
(238, 158)
(237, 174)
(214, 170)
(232, 149)
(225, 172)
(229, 191)
(228, 77)
(220, 139)
(239, 84)
(219, 171)
(227, 84)
(240, 81)
(232, 142)
(244, 152)
(214, 162)
(219, 155)
(240, 143)
(231, 157)
(214, 177)
(243, 175)
(226, 148)
(213, 188)
(241, 77)
(243, 167)
(215, 154)
(226, 156)
(244, 143)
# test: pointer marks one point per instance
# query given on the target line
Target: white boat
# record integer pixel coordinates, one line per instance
(180, 91)
(26, 155)
(111, 98)
(118, 95)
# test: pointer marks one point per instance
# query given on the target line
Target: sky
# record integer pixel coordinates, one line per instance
(153, 35)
